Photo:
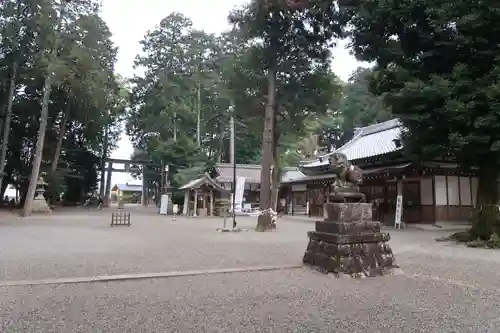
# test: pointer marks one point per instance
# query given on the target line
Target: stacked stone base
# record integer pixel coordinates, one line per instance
(355, 247)
(40, 205)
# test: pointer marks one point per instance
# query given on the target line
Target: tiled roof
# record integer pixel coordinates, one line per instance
(206, 179)
(251, 172)
(369, 141)
(291, 175)
(367, 171)
(129, 187)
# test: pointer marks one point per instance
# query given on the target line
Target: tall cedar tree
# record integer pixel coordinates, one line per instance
(287, 33)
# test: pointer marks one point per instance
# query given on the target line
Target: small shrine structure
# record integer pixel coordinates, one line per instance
(200, 196)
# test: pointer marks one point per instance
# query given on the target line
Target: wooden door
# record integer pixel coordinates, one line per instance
(412, 209)
(316, 201)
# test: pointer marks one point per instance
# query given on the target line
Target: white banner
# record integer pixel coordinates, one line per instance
(399, 211)
(164, 204)
(240, 190)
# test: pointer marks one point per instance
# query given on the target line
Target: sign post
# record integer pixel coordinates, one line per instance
(399, 211)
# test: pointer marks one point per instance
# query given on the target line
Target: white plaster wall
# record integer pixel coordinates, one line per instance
(299, 188)
(474, 189)
(440, 184)
(453, 191)
(465, 195)
(426, 195)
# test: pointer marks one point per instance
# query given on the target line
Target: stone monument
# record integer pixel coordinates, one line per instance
(39, 204)
(348, 242)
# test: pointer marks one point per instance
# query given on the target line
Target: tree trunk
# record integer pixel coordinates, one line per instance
(175, 126)
(264, 221)
(3, 188)
(103, 161)
(55, 181)
(62, 131)
(198, 111)
(35, 171)
(23, 190)
(485, 220)
(8, 117)
(1, 120)
(276, 167)
(267, 142)
(275, 188)
(220, 158)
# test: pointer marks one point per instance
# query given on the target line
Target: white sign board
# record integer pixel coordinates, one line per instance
(163, 204)
(399, 211)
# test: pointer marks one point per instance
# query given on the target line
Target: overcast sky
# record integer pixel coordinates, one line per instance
(130, 19)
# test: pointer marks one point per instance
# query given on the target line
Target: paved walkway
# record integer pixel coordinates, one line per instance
(202, 281)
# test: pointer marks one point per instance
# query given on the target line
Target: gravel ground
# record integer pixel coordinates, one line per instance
(59, 248)
(85, 245)
(287, 301)
(444, 288)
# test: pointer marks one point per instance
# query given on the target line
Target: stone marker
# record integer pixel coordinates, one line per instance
(348, 241)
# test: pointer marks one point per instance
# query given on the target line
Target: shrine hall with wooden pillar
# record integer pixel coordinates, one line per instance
(433, 191)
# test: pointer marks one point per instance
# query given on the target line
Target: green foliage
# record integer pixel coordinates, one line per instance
(438, 67)
(359, 107)
(183, 176)
(179, 63)
(492, 243)
(352, 106)
(230, 73)
(85, 93)
(292, 42)
(447, 98)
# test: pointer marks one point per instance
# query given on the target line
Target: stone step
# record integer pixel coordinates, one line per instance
(347, 227)
(372, 264)
(348, 249)
(363, 237)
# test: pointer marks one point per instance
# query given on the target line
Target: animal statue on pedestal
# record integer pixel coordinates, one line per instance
(347, 173)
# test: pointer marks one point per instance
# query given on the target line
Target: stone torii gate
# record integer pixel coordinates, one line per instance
(128, 168)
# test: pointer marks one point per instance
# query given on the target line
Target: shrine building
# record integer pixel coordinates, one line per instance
(432, 191)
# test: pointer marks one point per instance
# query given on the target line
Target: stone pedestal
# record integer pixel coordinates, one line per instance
(349, 242)
(266, 221)
(40, 205)
(202, 212)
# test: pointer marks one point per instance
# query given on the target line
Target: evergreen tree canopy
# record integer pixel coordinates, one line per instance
(438, 66)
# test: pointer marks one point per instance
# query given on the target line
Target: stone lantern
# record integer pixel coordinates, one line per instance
(39, 204)
(40, 188)
(166, 207)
